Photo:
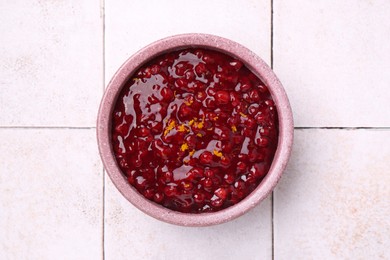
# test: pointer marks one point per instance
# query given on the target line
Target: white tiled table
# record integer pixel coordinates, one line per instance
(333, 58)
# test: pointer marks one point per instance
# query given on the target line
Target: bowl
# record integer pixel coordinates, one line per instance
(251, 61)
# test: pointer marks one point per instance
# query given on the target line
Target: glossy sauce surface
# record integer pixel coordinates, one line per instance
(194, 130)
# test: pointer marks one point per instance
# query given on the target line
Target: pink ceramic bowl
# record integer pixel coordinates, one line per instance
(258, 67)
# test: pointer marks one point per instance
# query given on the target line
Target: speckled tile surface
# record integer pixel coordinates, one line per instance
(249, 236)
(130, 25)
(333, 59)
(51, 63)
(51, 194)
(129, 232)
(333, 202)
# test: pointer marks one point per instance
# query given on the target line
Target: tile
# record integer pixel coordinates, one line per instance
(52, 63)
(51, 194)
(333, 201)
(129, 232)
(333, 58)
(131, 25)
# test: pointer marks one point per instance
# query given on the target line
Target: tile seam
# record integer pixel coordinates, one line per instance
(272, 67)
(49, 127)
(103, 11)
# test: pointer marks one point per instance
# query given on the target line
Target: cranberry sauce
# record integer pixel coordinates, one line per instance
(194, 130)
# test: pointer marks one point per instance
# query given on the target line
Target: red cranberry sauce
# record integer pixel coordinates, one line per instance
(194, 130)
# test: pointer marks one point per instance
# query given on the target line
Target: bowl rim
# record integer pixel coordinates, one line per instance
(257, 66)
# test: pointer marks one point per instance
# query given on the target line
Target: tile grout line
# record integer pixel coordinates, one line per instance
(103, 212)
(295, 128)
(272, 66)
(272, 35)
(103, 13)
(341, 128)
(49, 127)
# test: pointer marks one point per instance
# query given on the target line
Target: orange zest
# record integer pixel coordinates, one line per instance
(184, 147)
(169, 127)
(243, 115)
(217, 153)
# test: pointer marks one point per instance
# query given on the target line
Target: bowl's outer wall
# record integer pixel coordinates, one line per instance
(257, 66)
